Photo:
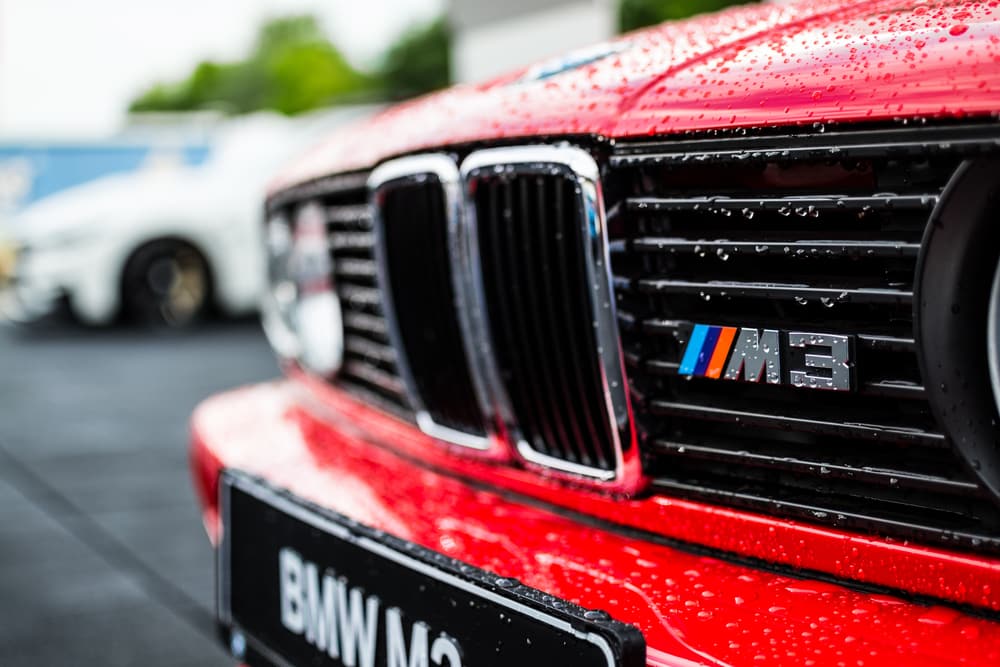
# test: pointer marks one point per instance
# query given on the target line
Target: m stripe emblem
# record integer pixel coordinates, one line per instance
(707, 350)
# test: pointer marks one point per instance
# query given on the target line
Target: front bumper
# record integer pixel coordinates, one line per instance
(692, 608)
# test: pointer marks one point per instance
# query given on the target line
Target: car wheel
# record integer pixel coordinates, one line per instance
(166, 284)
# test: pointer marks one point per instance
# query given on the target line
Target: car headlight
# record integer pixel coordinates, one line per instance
(301, 310)
(8, 259)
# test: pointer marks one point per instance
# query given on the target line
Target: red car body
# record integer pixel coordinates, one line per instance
(705, 584)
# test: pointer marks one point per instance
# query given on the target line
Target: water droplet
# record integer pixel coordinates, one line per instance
(238, 645)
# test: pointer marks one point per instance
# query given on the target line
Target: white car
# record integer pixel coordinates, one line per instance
(161, 245)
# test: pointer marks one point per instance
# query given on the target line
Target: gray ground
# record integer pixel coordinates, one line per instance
(103, 560)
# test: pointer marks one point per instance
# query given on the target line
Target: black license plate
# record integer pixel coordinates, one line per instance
(299, 585)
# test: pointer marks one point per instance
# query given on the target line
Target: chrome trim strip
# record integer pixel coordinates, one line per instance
(223, 554)
(993, 336)
(419, 167)
(585, 171)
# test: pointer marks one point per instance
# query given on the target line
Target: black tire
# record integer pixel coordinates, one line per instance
(166, 285)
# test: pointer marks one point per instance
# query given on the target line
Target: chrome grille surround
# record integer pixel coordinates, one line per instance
(582, 171)
(416, 172)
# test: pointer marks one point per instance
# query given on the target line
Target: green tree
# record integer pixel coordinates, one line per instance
(419, 61)
(292, 68)
(633, 14)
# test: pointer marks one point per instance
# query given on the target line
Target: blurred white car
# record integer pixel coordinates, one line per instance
(163, 245)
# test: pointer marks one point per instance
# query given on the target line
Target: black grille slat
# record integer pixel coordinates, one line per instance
(582, 408)
(373, 351)
(822, 147)
(772, 456)
(810, 239)
(384, 381)
(808, 424)
(418, 271)
(361, 242)
(862, 295)
(540, 315)
(349, 216)
(543, 275)
(371, 326)
(505, 292)
(360, 297)
(355, 269)
(842, 248)
(801, 206)
(959, 527)
(532, 258)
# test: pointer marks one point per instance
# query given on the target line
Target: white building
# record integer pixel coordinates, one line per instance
(494, 36)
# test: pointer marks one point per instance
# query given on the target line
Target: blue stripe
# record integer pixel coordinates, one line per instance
(690, 359)
(707, 349)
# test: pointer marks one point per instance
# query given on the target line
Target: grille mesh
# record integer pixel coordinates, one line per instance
(531, 241)
(789, 240)
(370, 369)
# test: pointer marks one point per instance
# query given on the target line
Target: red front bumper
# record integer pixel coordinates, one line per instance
(692, 609)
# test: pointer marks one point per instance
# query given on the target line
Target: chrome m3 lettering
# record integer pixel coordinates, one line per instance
(814, 360)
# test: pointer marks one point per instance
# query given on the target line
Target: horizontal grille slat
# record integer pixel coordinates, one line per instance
(386, 381)
(863, 295)
(342, 241)
(846, 248)
(956, 527)
(819, 147)
(668, 327)
(894, 389)
(737, 454)
(373, 326)
(360, 298)
(804, 233)
(801, 206)
(349, 216)
(873, 431)
(346, 269)
(370, 350)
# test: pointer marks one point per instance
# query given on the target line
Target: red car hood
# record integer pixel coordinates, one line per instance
(760, 65)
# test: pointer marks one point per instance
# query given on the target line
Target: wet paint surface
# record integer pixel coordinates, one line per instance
(692, 609)
(805, 63)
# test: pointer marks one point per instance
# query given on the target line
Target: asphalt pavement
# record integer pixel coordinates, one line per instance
(103, 559)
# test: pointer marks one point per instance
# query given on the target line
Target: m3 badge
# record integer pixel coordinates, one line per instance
(797, 358)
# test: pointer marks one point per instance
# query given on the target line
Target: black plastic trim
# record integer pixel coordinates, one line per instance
(959, 255)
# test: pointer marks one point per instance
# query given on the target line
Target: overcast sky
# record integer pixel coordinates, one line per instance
(68, 68)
